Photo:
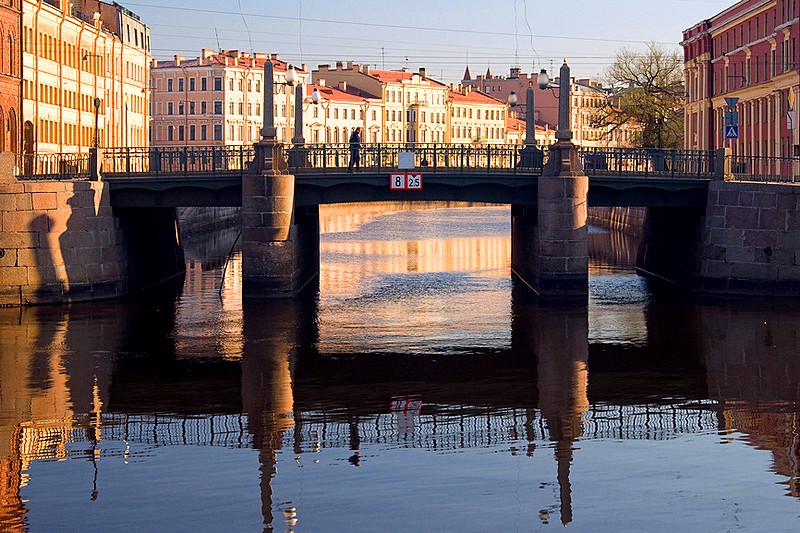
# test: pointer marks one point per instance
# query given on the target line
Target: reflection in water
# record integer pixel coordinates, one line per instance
(419, 378)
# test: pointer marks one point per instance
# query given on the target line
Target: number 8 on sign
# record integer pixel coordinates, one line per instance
(398, 182)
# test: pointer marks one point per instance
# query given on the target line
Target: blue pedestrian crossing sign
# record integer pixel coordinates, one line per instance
(731, 132)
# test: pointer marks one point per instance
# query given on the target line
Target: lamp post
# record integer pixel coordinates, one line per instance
(531, 156)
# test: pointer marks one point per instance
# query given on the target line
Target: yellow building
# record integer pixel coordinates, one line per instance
(86, 70)
(414, 105)
(217, 98)
(476, 117)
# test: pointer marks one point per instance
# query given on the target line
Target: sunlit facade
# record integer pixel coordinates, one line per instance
(339, 112)
(217, 99)
(414, 105)
(86, 70)
(589, 99)
(748, 52)
(10, 76)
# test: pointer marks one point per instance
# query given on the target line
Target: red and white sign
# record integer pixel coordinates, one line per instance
(401, 181)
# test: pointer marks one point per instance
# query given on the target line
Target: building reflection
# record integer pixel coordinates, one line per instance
(264, 378)
(753, 371)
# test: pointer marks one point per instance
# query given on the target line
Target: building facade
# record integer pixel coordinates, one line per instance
(86, 67)
(10, 75)
(748, 55)
(340, 110)
(476, 117)
(217, 98)
(414, 105)
(589, 98)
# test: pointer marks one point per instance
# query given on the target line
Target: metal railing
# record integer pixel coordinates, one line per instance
(64, 166)
(648, 162)
(766, 169)
(427, 157)
(381, 157)
(179, 160)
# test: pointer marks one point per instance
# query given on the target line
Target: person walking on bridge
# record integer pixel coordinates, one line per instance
(355, 148)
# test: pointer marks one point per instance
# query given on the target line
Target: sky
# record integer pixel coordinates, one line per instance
(442, 36)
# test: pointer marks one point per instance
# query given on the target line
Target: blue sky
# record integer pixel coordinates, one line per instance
(438, 35)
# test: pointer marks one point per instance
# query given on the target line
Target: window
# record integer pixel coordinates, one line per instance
(217, 107)
(217, 83)
(170, 133)
(192, 132)
(180, 108)
(169, 85)
(204, 84)
(203, 132)
(203, 107)
(217, 132)
(170, 108)
(180, 85)
(230, 84)
(192, 84)
(192, 109)
(180, 132)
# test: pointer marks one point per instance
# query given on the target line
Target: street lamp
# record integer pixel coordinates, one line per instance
(96, 140)
(269, 131)
(563, 133)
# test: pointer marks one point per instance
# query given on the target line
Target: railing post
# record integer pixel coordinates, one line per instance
(95, 163)
(723, 164)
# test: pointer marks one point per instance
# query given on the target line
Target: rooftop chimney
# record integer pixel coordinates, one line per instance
(423, 73)
(179, 60)
(343, 86)
(365, 69)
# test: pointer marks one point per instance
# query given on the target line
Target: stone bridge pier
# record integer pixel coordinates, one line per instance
(280, 244)
(550, 241)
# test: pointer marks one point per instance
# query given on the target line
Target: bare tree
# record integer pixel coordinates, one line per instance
(649, 96)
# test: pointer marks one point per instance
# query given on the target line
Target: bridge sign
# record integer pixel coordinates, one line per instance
(731, 101)
(732, 132)
(400, 181)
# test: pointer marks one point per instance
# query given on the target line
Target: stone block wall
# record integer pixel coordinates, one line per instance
(59, 242)
(751, 239)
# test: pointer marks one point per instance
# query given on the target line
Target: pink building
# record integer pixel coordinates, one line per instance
(747, 52)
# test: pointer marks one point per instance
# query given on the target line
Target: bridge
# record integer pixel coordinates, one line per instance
(713, 224)
(211, 175)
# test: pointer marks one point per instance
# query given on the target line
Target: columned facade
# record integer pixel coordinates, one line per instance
(748, 52)
(86, 69)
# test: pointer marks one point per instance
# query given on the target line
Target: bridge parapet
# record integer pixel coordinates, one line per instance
(334, 158)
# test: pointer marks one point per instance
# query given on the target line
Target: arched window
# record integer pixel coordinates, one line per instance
(13, 130)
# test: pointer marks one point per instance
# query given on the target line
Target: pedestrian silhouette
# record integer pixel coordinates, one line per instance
(355, 147)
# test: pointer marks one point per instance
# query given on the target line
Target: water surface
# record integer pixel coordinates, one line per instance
(419, 390)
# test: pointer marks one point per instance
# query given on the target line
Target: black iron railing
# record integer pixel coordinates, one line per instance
(182, 160)
(66, 166)
(767, 169)
(429, 158)
(425, 156)
(648, 162)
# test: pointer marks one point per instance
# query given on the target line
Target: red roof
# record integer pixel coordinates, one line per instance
(241, 61)
(474, 97)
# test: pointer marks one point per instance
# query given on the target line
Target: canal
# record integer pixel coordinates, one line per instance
(418, 389)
